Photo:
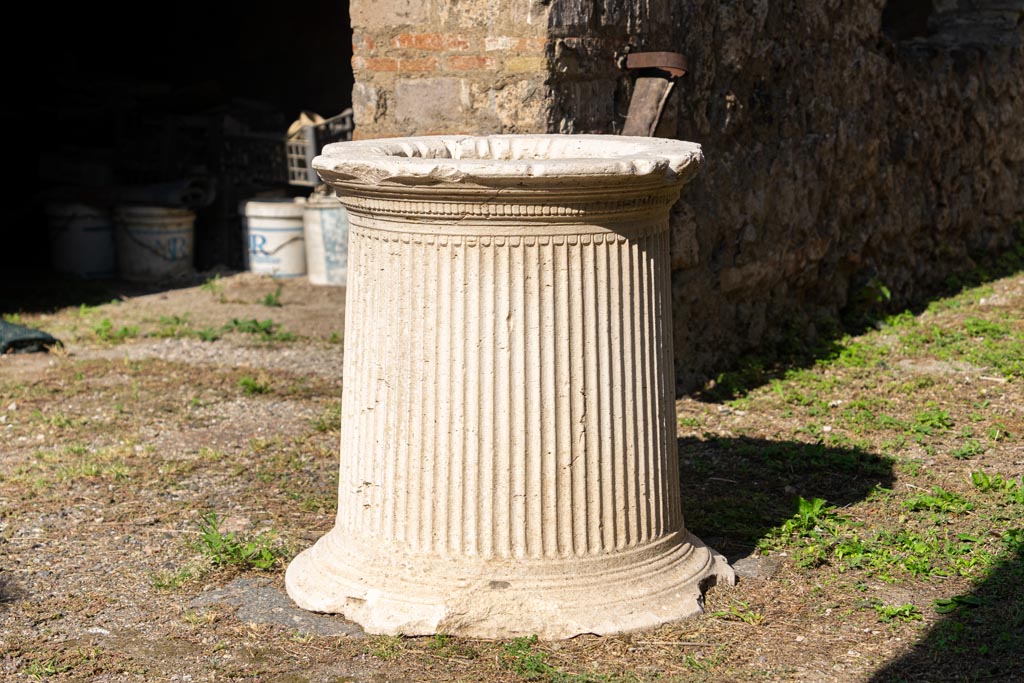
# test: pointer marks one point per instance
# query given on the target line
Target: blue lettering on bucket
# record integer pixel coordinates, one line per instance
(172, 249)
(257, 244)
(177, 248)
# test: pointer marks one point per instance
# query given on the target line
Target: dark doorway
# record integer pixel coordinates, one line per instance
(143, 93)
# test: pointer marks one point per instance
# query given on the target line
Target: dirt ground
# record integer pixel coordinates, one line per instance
(158, 472)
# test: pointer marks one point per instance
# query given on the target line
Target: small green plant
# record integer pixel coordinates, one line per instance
(932, 419)
(208, 334)
(169, 580)
(274, 298)
(329, 420)
(969, 449)
(898, 613)
(520, 658)
(443, 645)
(266, 330)
(225, 548)
(104, 331)
(45, 668)
(173, 326)
(740, 611)
(939, 500)
(811, 515)
(949, 605)
(252, 386)
(212, 285)
(386, 647)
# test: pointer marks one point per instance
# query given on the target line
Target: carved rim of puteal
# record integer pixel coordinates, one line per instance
(565, 163)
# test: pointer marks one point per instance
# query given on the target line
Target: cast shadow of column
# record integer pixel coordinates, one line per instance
(981, 639)
(736, 490)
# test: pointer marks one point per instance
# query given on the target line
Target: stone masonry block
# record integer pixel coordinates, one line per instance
(388, 13)
(427, 101)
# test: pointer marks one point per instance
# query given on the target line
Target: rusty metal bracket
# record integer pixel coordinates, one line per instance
(672, 63)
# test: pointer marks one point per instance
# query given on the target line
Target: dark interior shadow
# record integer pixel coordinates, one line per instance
(981, 639)
(45, 292)
(735, 490)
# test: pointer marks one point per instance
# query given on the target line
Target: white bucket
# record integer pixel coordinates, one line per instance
(326, 227)
(81, 240)
(154, 243)
(274, 241)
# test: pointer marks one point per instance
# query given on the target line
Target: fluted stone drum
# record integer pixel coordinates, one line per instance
(508, 448)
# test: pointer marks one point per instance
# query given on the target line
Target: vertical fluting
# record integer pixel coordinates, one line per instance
(515, 399)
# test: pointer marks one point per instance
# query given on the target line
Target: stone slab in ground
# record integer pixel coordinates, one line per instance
(258, 602)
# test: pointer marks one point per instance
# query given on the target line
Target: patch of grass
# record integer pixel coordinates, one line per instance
(939, 500)
(173, 326)
(446, 647)
(520, 657)
(106, 332)
(739, 611)
(329, 420)
(208, 334)
(52, 666)
(213, 285)
(225, 548)
(273, 299)
(252, 386)
(898, 613)
(968, 449)
(386, 647)
(265, 330)
(172, 580)
(949, 605)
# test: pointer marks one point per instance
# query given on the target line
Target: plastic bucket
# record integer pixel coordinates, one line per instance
(81, 240)
(154, 243)
(326, 228)
(274, 239)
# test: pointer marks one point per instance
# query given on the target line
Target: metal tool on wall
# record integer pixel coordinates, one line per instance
(657, 74)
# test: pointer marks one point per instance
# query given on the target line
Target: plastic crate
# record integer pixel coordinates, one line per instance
(301, 147)
(253, 158)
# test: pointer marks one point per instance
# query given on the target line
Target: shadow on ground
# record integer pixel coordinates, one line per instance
(981, 639)
(737, 489)
(865, 310)
(43, 292)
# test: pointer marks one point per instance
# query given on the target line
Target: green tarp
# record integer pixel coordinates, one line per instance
(21, 339)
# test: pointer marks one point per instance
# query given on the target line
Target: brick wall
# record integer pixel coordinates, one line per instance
(446, 67)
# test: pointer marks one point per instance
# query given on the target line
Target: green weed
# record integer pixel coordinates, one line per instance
(898, 613)
(329, 420)
(939, 500)
(266, 330)
(969, 449)
(105, 331)
(252, 386)
(222, 549)
(274, 298)
(740, 611)
(386, 647)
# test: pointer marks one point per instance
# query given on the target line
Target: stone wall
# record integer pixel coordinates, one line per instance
(849, 143)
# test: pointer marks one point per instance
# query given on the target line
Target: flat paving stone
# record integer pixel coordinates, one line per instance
(756, 567)
(260, 603)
